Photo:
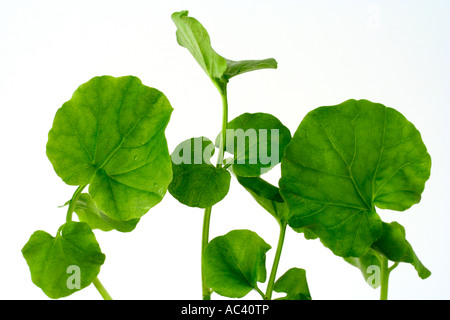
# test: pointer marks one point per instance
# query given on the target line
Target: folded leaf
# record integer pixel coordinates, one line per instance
(87, 211)
(294, 284)
(196, 182)
(267, 195)
(257, 141)
(110, 135)
(235, 68)
(395, 247)
(194, 37)
(234, 263)
(53, 261)
(342, 162)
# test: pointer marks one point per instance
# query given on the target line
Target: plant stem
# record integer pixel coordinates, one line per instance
(384, 278)
(206, 292)
(73, 202)
(223, 141)
(101, 289)
(98, 285)
(276, 261)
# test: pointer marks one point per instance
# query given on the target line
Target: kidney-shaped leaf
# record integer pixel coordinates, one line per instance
(344, 161)
(110, 135)
(196, 182)
(234, 263)
(54, 261)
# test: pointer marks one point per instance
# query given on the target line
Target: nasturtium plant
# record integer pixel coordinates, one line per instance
(342, 163)
(108, 136)
(202, 185)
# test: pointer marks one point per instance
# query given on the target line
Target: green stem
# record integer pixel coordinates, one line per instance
(276, 261)
(73, 202)
(223, 141)
(101, 289)
(206, 292)
(260, 292)
(384, 278)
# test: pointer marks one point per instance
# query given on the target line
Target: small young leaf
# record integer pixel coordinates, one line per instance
(194, 37)
(51, 259)
(257, 141)
(234, 263)
(294, 284)
(342, 162)
(235, 68)
(88, 212)
(395, 247)
(110, 135)
(196, 182)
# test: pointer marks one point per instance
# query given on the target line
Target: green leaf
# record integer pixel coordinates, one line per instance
(294, 284)
(196, 182)
(257, 141)
(110, 135)
(54, 261)
(395, 247)
(267, 195)
(235, 262)
(342, 162)
(235, 68)
(88, 212)
(194, 37)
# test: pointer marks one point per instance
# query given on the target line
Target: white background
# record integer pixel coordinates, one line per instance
(392, 52)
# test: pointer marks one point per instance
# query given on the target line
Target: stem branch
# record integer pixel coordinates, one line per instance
(73, 202)
(276, 261)
(101, 289)
(384, 278)
(206, 292)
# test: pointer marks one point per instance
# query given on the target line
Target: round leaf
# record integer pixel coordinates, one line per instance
(257, 141)
(52, 259)
(342, 162)
(110, 135)
(196, 182)
(235, 262)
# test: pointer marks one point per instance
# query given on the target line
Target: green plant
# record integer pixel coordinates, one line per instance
(342, 163)
(108, 136)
